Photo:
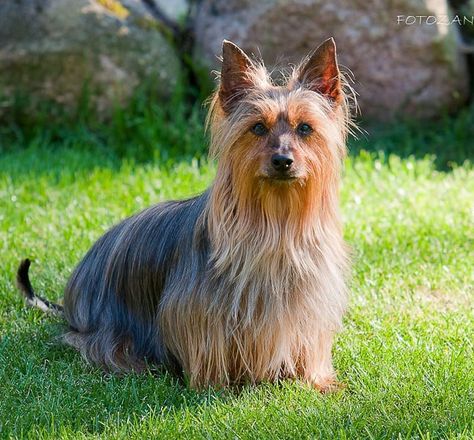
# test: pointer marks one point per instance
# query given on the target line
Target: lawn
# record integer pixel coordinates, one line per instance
(406, 351)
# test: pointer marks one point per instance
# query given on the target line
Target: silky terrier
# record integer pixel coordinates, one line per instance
(247, 281)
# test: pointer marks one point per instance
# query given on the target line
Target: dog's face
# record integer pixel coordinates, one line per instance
(282, 143)
(281, 134)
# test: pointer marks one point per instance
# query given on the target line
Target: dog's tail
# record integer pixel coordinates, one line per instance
(33, 300)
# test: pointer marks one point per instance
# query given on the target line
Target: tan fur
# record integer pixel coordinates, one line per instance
(279, 245)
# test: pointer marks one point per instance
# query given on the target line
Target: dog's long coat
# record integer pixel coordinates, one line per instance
(245, 282)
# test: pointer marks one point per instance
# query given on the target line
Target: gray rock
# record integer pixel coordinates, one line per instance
(53, 48)
(400, 68)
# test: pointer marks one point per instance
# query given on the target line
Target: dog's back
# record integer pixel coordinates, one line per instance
(111, 299)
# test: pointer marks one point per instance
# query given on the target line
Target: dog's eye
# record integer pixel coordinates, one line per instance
(259, 129)
(304, 129)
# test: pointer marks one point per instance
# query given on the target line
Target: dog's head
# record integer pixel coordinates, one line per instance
(281, 135)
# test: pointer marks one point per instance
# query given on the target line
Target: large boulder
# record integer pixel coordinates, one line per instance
(401, 67)
(57, 48)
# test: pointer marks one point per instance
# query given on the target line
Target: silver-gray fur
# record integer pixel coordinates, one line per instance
(112, 299)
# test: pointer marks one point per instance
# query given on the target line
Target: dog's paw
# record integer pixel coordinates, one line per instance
(327, 385)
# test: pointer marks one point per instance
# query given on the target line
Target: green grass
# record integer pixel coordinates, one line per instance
(406, 352)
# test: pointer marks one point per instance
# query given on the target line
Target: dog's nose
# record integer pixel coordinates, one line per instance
(282, 162)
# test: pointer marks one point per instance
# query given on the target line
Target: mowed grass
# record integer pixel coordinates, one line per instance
(406, 351)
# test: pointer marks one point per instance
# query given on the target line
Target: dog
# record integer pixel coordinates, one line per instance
(248, 281)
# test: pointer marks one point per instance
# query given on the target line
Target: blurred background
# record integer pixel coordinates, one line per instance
(79, 62)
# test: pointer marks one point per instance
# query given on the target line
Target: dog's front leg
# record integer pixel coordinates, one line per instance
(319, 370)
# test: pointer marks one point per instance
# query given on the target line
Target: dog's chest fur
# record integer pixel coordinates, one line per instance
(262, 303)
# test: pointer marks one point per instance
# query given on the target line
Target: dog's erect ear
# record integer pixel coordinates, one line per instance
(320, 72)
(235, 80)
